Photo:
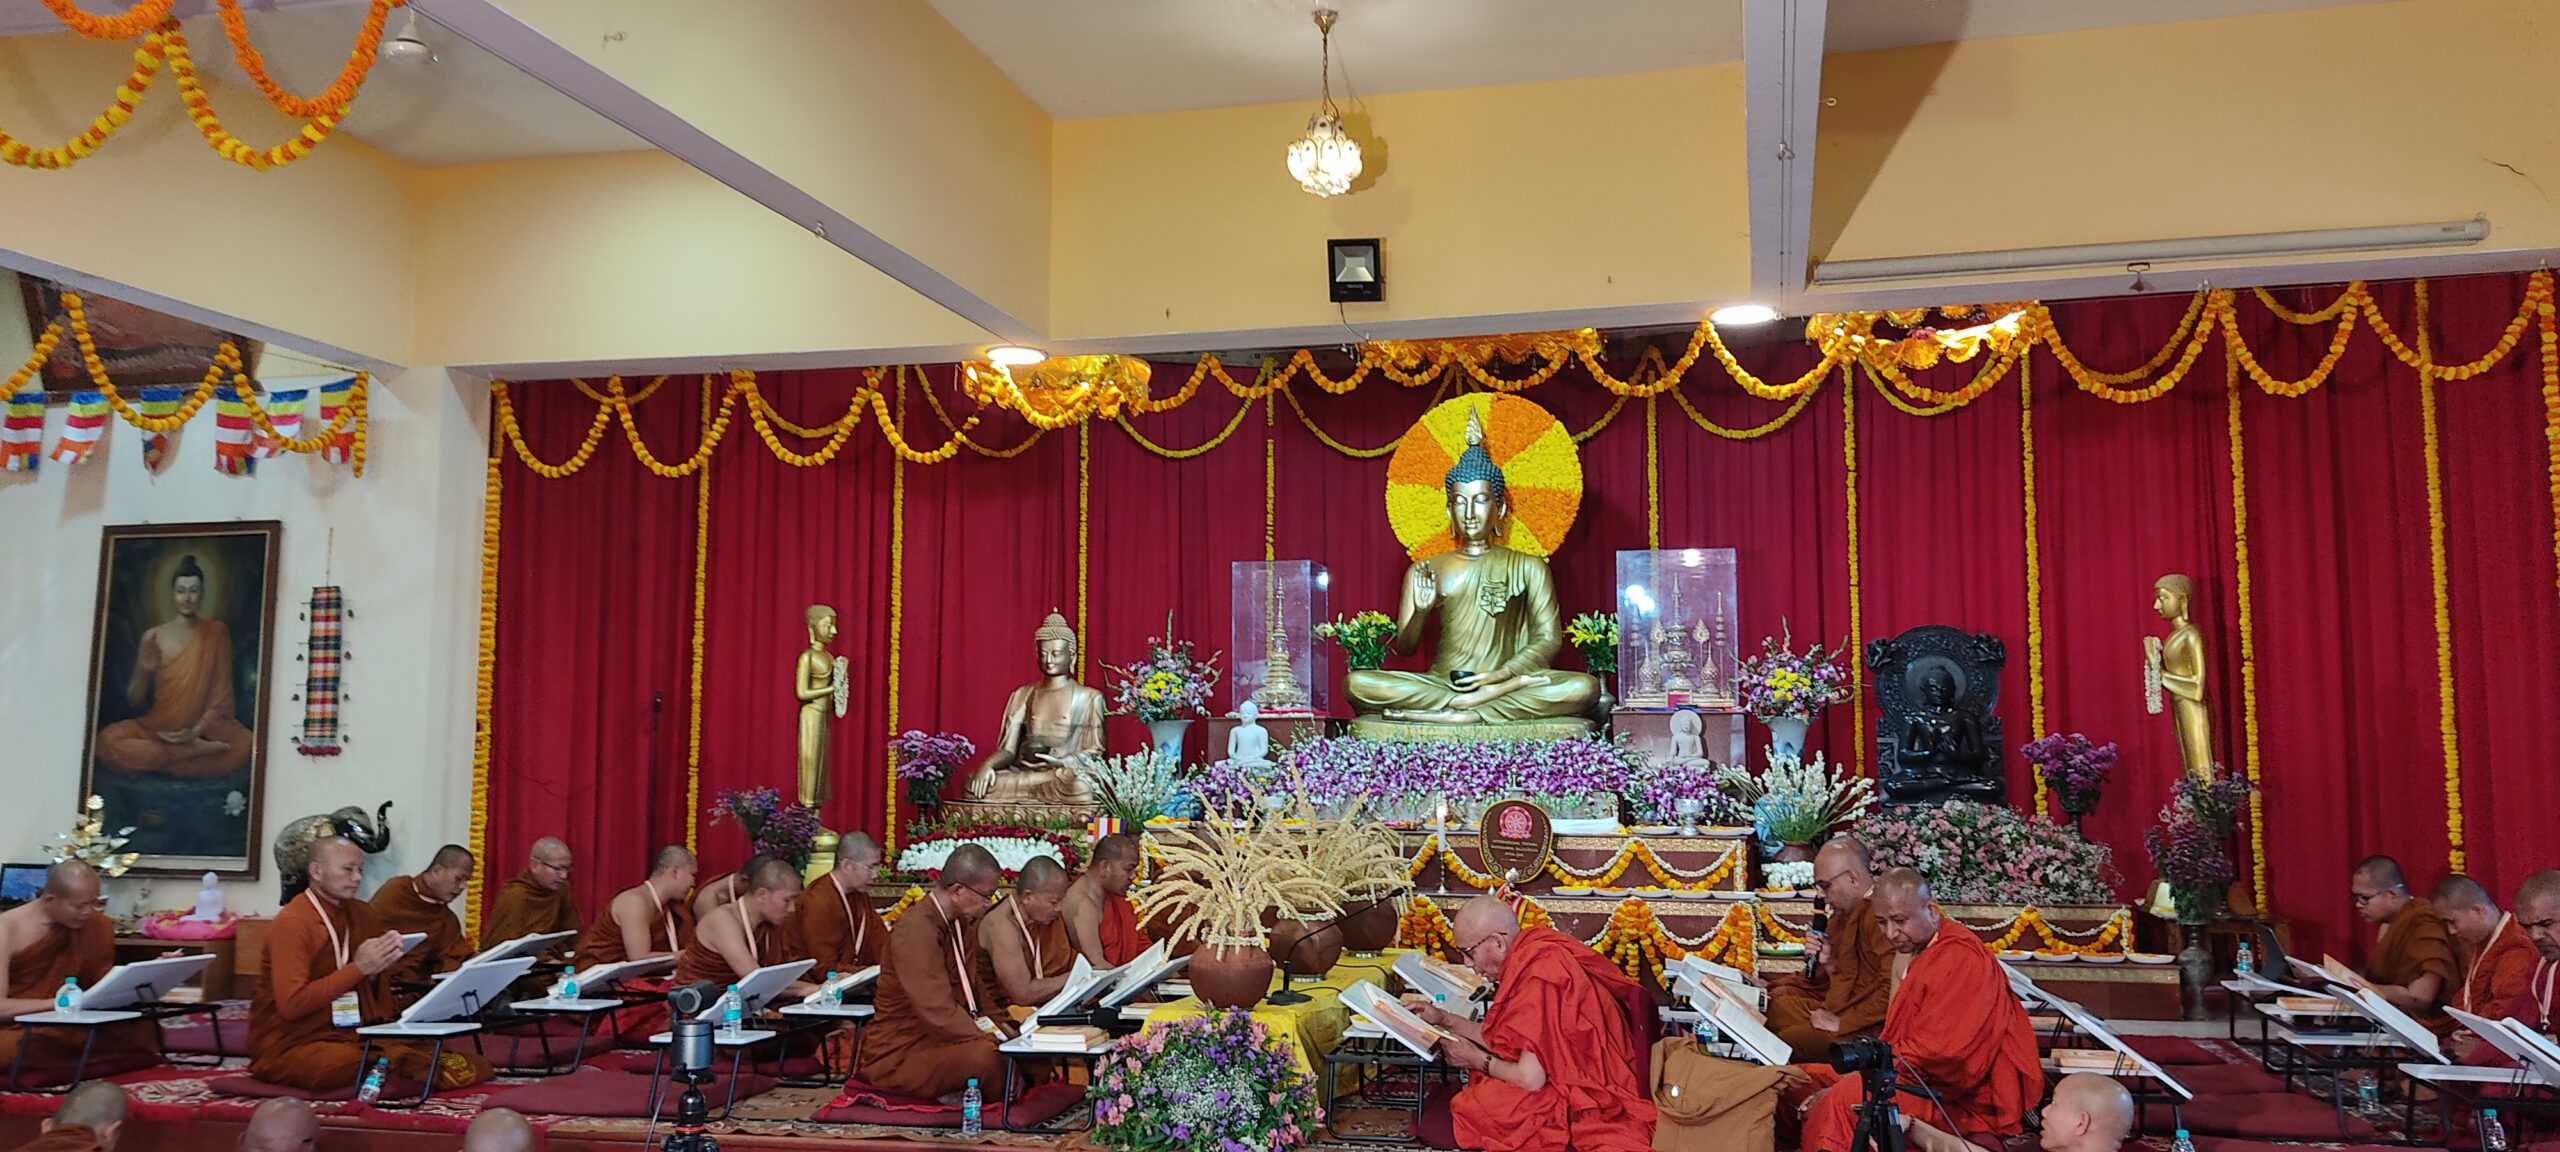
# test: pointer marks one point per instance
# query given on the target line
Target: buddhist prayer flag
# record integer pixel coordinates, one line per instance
(332, 397)
(232, 430)
(22, 433)
(158, 402)
(82, 428)
(284, 414)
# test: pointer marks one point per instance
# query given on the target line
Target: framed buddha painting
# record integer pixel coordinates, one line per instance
(179, 660)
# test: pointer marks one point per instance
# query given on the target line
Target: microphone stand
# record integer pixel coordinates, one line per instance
(1288, 995)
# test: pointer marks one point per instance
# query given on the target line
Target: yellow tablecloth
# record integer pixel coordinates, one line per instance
(1316, 1026)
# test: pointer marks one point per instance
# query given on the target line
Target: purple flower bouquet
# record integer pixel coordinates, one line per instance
(776, 827)
(926, 762)
(2072, 767)
(1216, 1083)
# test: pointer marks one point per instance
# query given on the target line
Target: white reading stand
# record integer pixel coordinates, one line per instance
(531, 945)
(594, 988)
(2531, 1067)
(827, 1002)
(1137, 977)
(443, 1012)
(123, 987)
(755, 990)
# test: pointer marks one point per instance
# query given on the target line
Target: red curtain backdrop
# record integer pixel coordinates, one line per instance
(594, 690)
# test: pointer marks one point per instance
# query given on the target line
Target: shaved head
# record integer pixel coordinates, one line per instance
(2089, 1113)
(970, 866)
(71, 880)
(548, 861)
(548, 845)
(1115, 862)
(1483, 931)
(774, 875)
(451, 858)
(1116, 848)
(97, 1106)
(856, 847)
(1041, 875)
(2379, 888)
(671, 858)
(2467, 910)
(280, 1126)
(1844, 871)
(1905, 908)
(2460, 891)
(500, 1130)
(2538, 912)
(336, 868)
(2381, 871)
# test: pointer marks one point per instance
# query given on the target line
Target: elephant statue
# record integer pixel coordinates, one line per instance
(293, 845)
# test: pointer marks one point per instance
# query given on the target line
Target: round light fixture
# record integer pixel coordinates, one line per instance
(1014, 355)
(1740, 315)
(1326, 159)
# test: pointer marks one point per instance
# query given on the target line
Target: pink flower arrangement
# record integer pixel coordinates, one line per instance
(1988, 854)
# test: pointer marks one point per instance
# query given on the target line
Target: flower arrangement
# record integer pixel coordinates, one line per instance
(2072, 767)
(1989, 854)
(1794, 802)
(925, 763)
(2187, 846)
(1362, 638)
(1170, 684)
(1402, 783)
(1214, 885)
(1014, 844)
(1217, 1083)
(1359, 857)
(774, 826)
(89, 843)
(1793, 874)
(1655, 789)
(1134, 789)
(1782, 684)
(1595, 635)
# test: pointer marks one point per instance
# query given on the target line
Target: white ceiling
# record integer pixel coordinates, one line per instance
(466, 108)
(1081, 58)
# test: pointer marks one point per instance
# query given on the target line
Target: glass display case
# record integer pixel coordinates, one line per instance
(1677, 616)
(1273, 656)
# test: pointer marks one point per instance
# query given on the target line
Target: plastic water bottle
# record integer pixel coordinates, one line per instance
(371, 1090)
(67, 998)
(2369, 1091)
(1706, 1033)
(834, 995)
(2246, 962)
(567, 988)
(971, 1105)
(2493, 1135)
(2182, 1143)
(732, 1014)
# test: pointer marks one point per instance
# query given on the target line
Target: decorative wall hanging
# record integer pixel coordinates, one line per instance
(326, 657)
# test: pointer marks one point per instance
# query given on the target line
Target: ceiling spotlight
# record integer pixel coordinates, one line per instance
(1740, 315)
(408, 44)
(1325, 160)
(1014, 355)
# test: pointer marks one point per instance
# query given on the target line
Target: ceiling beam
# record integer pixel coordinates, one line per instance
(1782, 98)
(503, 35)
(79, 281)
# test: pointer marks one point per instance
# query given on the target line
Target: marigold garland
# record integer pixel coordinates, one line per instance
(314, 131)
(896, 656)
(2248, 633)
(144, 16)
(341, 92)
(2550, 324)
(118, 113)
(709, 429)
(1857, 621)
(2447, 721)
(1721, 432)
(485, 675)
(908, 899)
(2035, 557)
(44, 347)
(1652, 476)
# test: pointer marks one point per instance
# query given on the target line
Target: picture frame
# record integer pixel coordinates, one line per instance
(181, 659)
(142, 348)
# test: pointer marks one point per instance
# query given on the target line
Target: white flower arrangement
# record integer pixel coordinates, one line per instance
(1795, 874)
(1011, 852)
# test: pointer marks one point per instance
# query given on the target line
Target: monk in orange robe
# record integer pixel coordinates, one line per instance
(835, 924)
(424, 903)
(182, 674)
(1954, 1024)
(1023, 957)
(746, 933)
(1552, 1066)
(59, 935)
(651, 918)
(329, 960)
(1101, 922)
(2413, 964)
(2497, 960)
(2537, 917)
(932, 1033)
(536, 901)
(1856, 975)
(723, 888)
(90, 1119)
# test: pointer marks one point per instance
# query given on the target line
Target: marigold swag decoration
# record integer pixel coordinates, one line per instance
(1221, 1081)
(320, 682)
(1541, 474)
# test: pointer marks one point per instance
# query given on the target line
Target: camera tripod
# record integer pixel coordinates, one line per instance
(684, 1133)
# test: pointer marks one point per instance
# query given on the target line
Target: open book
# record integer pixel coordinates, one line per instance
(1135, 977)
(1731, 980)
(844, 984)
(599, 978)
(1371, 1003)
(1084, 983)
(1445, 983)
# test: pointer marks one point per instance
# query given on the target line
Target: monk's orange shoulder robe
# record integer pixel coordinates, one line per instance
(293, 1040)
(924, 1039)
(36, 972)
(670, 930)
(2414, 944)
(699, 961)
(1122, 939)
(837, 928)
(524, 908)
(1562, 1001)
(1956, 1025)
(402, 909)
(1857, 986)
(1044, 946)
(2500, 973)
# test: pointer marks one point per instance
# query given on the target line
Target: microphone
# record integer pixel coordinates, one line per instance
(1288, 995)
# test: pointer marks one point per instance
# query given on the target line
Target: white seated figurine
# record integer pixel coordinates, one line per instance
(1249, 743)
(1686, 747)
(208, 901)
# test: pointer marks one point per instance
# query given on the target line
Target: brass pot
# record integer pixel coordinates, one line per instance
(1372, 929)
(1231, 975)
(1295, 953)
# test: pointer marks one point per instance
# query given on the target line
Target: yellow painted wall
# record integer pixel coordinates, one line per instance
(1572, 194)
(877, 107)
(2333, 117)
(635, 256)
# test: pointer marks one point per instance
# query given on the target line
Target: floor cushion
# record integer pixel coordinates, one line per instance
(46, 1078)
(197, 1039)
(250, 1087)
(599, 1092)
(863, 1104)
(2260, 1116)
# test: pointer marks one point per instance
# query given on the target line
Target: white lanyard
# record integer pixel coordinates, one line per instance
(861, 927)
(2467, 977)
(663, 914)
(2545, 973)
(1037, 969)
(959, 963)
(336, 944)
(753, 953)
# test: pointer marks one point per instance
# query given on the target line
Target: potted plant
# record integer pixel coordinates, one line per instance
(1217, 1081)
(1794, 804)
(2187, 846)
(1165, 690)
(1214, 885)
(1595, 636)
(2072, 769)
(1362, 638)
(776, 827)
(925, 763)
(1785, 689)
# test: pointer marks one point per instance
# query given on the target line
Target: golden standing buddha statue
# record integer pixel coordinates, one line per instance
(1499, 625)
(2177, 665)
(814, 682)
(1051, 727)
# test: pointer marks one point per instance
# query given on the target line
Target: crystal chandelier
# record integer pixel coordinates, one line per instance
(1326, 159)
